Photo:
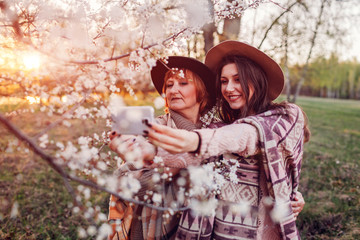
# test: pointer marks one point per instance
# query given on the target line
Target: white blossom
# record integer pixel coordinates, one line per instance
(60, 145)
(243, 208)
(205, 207)
(155, 177)
(104, 230)
(14, 210)
(156, 198)
(81, 232)
(84, 140)
(279, 211)
(159, 102)
(129, 186)
(114, 103)
(76, 210)
(44, 140)
(91, 230)
(66, 123)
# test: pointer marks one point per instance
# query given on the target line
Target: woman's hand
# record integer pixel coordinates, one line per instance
(298, 204)
(126, 146)
(172, 140)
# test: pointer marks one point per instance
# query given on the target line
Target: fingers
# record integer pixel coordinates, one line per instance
(113, 135)
(299, 197)
(114, 143)
(295, 203)
(298, 204)
(172, 140)
(162, 138)
(158, 136)
(164, 130)
(165, 146)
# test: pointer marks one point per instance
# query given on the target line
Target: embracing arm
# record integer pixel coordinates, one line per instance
(297, 204)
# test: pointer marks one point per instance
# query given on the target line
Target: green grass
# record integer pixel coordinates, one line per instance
(26, 179)
(330, 178)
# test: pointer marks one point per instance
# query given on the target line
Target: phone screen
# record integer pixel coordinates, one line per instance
(129, 120)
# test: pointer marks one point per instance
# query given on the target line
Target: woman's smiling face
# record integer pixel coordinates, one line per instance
(231, 88)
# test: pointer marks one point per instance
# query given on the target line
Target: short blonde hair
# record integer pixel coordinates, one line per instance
(201, 91)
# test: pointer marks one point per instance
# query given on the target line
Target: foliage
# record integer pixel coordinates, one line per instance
(334, 78)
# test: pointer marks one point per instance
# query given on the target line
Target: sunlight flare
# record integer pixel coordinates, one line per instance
(31, 61)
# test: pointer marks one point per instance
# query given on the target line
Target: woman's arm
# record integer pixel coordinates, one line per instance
(239, 138)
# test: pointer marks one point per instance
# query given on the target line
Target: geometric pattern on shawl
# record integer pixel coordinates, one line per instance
(194, 226)
(281, 142)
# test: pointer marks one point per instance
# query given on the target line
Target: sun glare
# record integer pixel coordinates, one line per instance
(31, 61)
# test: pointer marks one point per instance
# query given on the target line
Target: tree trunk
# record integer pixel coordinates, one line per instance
(286, 68)
(287, 83)
(231, 29)
(357, 89)
(351, 84)
(312, 44)
(209, 30)
(208, 33)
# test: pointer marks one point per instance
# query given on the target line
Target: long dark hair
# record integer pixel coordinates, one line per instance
(250, 74)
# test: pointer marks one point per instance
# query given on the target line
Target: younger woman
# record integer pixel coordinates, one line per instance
(265, 138)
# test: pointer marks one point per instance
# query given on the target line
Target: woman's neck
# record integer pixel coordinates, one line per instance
(191, 114)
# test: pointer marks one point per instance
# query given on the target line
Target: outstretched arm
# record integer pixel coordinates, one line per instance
(172, 140)
(239, 138)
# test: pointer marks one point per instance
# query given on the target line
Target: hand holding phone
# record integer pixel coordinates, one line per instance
(130, 120)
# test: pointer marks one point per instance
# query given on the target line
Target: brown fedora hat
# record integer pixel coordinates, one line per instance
(272, 70)
(160, 69)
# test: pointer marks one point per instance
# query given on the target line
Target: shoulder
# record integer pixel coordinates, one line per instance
(288, 110)
(292, 107)
(295, 111)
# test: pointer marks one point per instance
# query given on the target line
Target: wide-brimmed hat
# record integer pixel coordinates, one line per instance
(274, 74)
(161, 68)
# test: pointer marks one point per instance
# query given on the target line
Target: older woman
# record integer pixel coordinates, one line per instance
(187, 85)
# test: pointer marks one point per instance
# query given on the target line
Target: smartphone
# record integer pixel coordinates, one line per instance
(130, 120)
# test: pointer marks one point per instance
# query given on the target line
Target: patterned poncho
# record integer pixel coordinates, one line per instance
(273, 142)
(281, 138)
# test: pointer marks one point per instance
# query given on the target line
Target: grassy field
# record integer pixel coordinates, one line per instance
(330, 180)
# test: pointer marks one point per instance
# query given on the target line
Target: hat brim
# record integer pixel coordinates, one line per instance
(274, 74)
(159, 70)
